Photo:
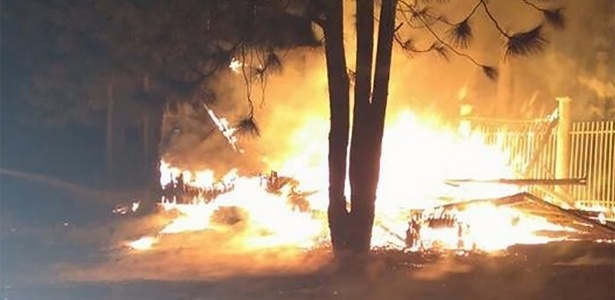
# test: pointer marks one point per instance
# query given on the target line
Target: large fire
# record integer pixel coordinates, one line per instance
(418, 157)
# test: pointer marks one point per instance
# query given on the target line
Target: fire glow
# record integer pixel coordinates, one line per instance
(417, 158)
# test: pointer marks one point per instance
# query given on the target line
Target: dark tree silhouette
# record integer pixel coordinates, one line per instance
(105, 59)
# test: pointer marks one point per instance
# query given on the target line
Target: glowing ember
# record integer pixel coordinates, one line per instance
(417, 158)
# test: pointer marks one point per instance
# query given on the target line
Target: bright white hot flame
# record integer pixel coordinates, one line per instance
(143, 243)
(235, 65)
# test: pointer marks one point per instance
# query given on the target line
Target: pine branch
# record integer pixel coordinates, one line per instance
(273, 62)
(247, 126)
(442, 51)
(427, 13)
(247, 81)
(424, 13)
(489, 71)
(533, 5)
(493, 19)
(461, 34)
(525, 43)
(407, 45)
(553, 17)
(519, 44)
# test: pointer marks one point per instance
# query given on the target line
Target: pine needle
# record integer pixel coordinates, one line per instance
(442, 51)
(408, 45)
(273, 63)
(490, 72)
(247, 126)
(555, 18)
(461, 34)
(525, 43)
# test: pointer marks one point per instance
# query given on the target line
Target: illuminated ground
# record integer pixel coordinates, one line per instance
(59, 263)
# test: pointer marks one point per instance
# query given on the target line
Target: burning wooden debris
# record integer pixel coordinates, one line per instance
(443, 227)
(126, 208)
(419, 237)
(179, 192)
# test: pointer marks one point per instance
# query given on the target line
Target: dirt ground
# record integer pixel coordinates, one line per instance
(565, 270)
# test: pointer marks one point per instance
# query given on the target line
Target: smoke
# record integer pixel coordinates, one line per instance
(291, 106)
(300, 87)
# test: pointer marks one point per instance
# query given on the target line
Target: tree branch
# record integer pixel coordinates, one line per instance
(435, 17)
(552, 16)
(532, 5)
(246, 81)
(489, 71)
(494, 20)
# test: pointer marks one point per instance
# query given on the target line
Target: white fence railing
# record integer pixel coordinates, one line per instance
(593, 155)
(586, 150)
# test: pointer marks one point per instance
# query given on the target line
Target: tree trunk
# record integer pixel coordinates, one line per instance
(360, 173)
(152, 131)
(351, 231)
(338, 85)
(367, 145)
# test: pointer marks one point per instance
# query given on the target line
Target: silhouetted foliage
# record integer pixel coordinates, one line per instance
(555, 18)
(461, 34)
(421, 15)
(442, 51)
(490, 72)
(247, 126)
(526, 43)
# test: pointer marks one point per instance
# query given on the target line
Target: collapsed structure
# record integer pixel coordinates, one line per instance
(440, 227)
(580, 224)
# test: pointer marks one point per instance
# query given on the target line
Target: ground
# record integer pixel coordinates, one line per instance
(60, 263)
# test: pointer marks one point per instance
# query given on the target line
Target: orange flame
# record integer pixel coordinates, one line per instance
(417, 156)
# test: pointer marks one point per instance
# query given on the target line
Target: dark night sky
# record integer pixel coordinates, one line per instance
(70, 153)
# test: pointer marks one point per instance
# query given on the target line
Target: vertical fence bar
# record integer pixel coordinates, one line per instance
(579, 158)
(610, 165)
(584, 157)
(596, 163)
(563, 142)
(588, 159)
(601, 162)
(595, 172)
(574, 156)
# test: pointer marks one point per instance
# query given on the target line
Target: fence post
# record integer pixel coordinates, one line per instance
(562, 157)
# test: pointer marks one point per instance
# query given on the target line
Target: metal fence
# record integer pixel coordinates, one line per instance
(532, 148)
(593, 155)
